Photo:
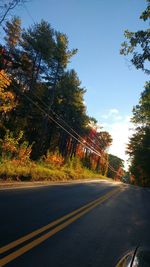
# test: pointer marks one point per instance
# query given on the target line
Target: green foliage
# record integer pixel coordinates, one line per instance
(146, 13)
(39, 172)
(43, 87)
(139, 145)
(141, 112)
(115, 163)
(74, 163)
(13, 148)
(13, 33)
(139, 151)
(138, 44)
(105, 139)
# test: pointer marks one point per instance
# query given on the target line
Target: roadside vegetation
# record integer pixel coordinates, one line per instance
(37, 171)
(45, 132)
(137, 47)
(15, 164)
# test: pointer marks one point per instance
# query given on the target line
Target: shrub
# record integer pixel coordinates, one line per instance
(12, 149)
(53, 159)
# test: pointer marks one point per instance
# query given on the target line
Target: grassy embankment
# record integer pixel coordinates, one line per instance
(41, 171)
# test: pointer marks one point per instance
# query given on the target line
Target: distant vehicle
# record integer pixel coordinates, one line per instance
(139, 257)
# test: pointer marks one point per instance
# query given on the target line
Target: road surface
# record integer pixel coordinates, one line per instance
(72, 225)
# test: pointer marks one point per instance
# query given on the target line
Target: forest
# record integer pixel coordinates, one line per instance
(45, 132)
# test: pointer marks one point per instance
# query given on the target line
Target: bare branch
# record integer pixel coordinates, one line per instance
(7, 6)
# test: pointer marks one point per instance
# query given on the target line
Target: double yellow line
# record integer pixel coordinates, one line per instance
(56, 226)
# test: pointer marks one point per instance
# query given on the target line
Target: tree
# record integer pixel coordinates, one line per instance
(141, 112)
(117, 166)
(7, 101)
(49, 96)
(69, 103)
(58, 63)
(13, 33)
(138, 44)
(139, 145)
(6, 97)
(36, 48)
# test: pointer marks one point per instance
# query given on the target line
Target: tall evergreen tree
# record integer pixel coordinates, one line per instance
(138, 45)
(139, 145)
(13, 33)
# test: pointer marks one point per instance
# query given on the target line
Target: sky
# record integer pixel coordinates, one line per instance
(96, 29)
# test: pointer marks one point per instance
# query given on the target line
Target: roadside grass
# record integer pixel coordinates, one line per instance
(41, 171)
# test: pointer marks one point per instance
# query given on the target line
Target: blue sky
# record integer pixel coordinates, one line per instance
(96, 28)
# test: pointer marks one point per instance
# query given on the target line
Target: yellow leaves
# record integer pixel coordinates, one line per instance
(6, 97)
(4, 80)
(8, 146)
(63, 39)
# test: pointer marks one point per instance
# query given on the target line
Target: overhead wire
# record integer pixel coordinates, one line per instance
(88, 146)
(29, 14)
(51, 118)
(58, 116)
(99, 154)
(92, 149)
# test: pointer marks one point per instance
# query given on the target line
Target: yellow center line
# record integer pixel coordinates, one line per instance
(46, 227)
(77, 214)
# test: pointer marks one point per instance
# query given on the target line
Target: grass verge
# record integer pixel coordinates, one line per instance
(44, 172)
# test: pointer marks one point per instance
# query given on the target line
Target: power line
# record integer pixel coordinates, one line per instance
(92, 149)
(51, 118)
(28, 12)
(99, 154)
(59, 117)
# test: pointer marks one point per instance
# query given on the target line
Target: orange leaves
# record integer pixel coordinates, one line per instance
(54, 159)
(119, 174)
(23, 152)
(6, 97)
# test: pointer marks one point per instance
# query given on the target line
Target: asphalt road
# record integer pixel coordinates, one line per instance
(95, 235)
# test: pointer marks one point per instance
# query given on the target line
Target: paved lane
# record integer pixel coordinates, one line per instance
(96, 239)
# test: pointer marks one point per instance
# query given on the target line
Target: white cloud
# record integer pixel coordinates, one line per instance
(120, 129)
(118, 118)
(112, 114)
(120, 133)
(114, 111)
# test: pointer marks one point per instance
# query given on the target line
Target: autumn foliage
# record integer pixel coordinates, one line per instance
(43, 116)
(53, 159)
(7, 98)
(14, 149)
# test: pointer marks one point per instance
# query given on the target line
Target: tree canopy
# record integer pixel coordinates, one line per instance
(138, 46)
(48, 98)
